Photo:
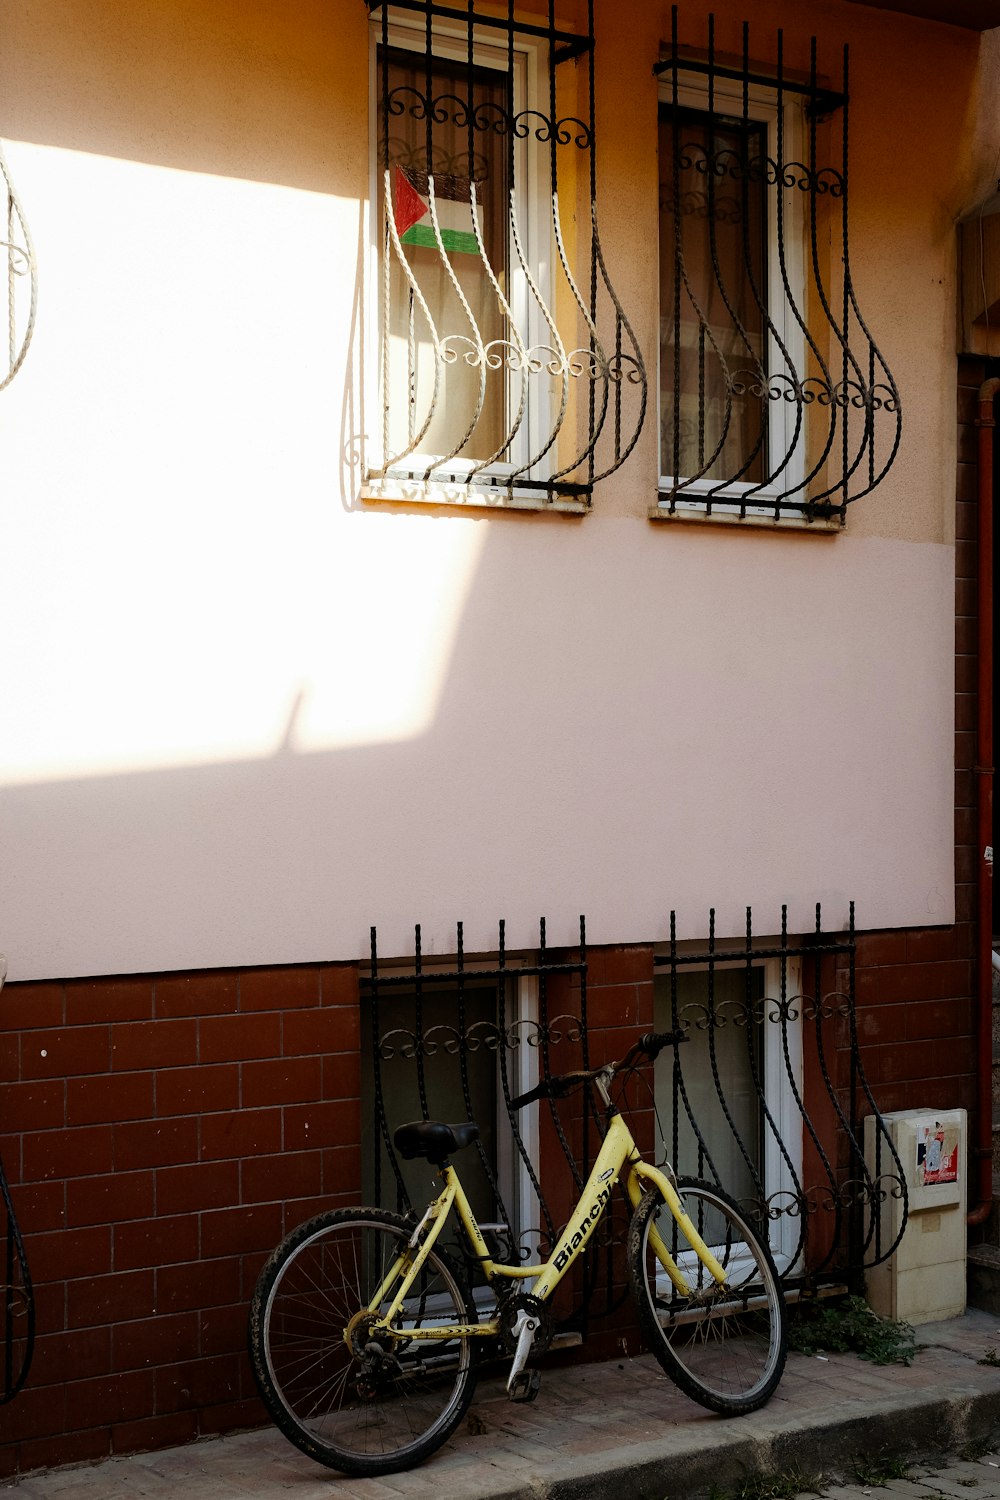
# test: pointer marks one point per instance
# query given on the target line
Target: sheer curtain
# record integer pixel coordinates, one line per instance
(409, 347)
(712, 287)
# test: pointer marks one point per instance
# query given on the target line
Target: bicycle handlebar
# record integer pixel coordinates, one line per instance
(651, 1044)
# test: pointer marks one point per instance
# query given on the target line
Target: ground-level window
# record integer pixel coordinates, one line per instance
(731, 1115)
(448, 1055)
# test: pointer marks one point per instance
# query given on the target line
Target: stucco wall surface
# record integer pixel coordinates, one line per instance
(244, 715)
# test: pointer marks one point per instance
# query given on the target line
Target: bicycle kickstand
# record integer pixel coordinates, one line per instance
(522, 1384)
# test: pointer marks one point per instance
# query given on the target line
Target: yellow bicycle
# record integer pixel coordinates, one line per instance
(363, 1333)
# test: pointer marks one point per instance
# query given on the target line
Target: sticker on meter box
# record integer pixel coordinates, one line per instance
(937, 1153)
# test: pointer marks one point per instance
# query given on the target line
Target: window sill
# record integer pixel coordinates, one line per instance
(466, 497)
(820, 525)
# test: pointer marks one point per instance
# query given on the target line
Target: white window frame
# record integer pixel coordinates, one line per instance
(408, 33)
(727, 501)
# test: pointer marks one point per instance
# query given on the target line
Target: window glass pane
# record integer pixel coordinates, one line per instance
(456, 173)
(712, 285)
(443, 1051)
(733, 1039)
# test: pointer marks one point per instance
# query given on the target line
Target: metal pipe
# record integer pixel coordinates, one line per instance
(984, 803)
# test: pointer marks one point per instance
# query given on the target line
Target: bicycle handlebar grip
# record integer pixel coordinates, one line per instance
(551, 1088)
(540, 1091)
(654, 1042)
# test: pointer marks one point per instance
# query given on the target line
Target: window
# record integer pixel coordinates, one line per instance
(467, 194)
(508, 372)
(717, 431)
(22, 278)
(452, 1053)
(774, 401)
(739, 1070)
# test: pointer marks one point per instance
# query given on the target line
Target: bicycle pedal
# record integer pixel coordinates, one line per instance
(525, 1387)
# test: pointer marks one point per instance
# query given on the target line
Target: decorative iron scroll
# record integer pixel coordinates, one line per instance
(819, 1207)
(17, 1339)
(22, 279)
(509, 370)
(774, 395)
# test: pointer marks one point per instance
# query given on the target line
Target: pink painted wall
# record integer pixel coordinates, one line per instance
(245, 716)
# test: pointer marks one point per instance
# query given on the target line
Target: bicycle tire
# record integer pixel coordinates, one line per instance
(362, 1414)
(724, 1348)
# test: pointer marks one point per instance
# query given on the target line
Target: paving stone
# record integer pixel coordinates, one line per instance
(854, 1492)
(622, 1429)
(924, 1488)
(947, 1483)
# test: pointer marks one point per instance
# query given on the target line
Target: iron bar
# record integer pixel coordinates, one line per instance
(17, 1327)
(571, 43)
(825, 101)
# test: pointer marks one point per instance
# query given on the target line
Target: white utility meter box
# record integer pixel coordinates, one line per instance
(924, 1280)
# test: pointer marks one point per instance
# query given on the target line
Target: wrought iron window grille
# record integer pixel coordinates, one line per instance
(509, 371)
(18, 1340)
(17, 1319)
(823, 1214)
(22, 278)
(514, 1033)
(843, 1186)
(775, 400)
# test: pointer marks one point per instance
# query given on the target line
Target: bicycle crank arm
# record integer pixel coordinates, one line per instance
(522, 1384)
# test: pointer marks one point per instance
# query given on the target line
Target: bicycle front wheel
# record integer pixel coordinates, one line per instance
(343, 1391)
(722, 1345)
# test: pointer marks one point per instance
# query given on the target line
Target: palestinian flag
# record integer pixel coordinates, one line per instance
(452, 200)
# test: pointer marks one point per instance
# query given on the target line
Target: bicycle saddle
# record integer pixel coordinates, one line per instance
(433, 1139)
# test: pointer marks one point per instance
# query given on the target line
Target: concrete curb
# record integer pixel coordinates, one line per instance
(912, 1426)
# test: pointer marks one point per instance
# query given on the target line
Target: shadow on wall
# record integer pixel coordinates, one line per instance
(605, 730)
(241, 89)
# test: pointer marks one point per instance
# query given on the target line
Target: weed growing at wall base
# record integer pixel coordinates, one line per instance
(878, 1471)
(781, 1486)
(848, 1325)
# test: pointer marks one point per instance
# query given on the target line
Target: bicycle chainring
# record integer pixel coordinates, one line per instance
(509, 1308)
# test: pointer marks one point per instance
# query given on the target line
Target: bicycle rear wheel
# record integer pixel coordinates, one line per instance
(351, 1397)
(723, 1346)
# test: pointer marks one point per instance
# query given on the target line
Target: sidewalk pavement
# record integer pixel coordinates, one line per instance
(620, 1429)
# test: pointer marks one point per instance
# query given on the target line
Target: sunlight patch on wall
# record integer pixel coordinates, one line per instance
(184, 578)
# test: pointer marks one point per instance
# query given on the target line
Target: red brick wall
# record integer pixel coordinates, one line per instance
(916, 1017)
(160, 1135)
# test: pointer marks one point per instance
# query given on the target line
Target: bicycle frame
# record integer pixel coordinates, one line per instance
(618, 1155)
